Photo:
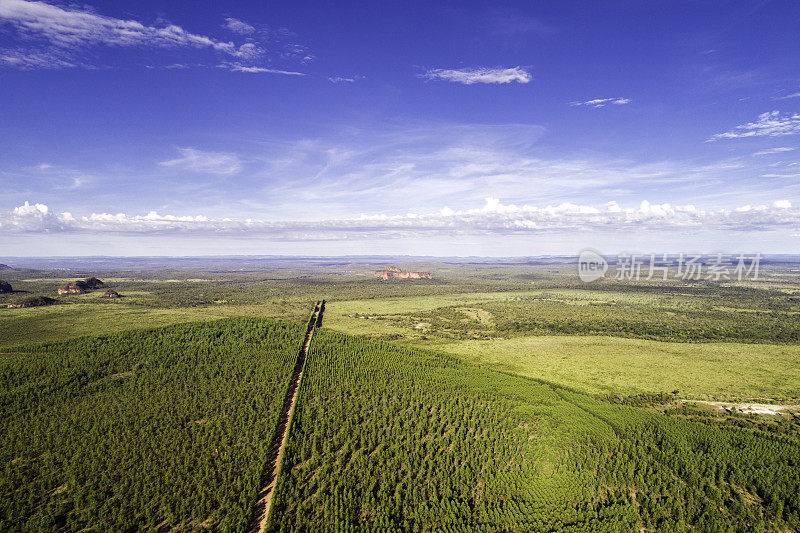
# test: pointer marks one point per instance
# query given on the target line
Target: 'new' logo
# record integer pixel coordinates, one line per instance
(591, 265)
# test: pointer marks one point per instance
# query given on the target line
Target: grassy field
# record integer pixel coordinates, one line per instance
(60, 322)
(609, 365)
(494, 328)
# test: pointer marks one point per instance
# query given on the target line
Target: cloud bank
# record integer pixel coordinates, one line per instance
(494, 218)
(471, 76)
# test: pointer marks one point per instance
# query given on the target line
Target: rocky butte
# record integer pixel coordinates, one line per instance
(81, 286)
(393, 272)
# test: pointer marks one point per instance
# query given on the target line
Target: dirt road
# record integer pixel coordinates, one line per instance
(258, 521)
(756, 408)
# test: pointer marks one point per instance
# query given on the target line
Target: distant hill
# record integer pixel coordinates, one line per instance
(93, 283)
(37, 301)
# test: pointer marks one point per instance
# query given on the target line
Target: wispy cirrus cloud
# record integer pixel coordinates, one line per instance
(470, 76)
(51, 36)
(770, 124)
(220, 163)
(494, 218)
(67, 28)
(788, 176)
(601, 102)
(788, 96)
(38, 59)
(238, 67)
(778, 150)
(344, 79)
(394, 169)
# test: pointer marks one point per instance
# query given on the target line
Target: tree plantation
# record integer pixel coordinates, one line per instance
(149, 429)
(174, 427)
(401, 439)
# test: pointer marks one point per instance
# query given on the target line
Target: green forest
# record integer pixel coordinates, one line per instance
(148, 429)
(390, 438)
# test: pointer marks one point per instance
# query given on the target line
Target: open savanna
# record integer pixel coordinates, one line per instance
(66, 321)
(734, 342)
(610, 365)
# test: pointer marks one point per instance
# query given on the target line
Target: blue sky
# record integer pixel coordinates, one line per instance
(192, 128)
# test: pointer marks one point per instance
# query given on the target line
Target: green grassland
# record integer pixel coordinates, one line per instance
(84, 317)
(166, 297)
(725, 342)
(709, 314)
(609, 365)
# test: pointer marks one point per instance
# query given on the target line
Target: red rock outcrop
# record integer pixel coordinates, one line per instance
(386, 275)
(78, 287)
(110, 293)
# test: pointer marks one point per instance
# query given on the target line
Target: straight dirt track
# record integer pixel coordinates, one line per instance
(258, 521)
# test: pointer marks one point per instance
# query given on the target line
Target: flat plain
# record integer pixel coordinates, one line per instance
(492, 397)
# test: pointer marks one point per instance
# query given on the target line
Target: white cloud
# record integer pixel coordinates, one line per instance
(66, 28)
(238, 26)
(26, 210)
(788, 96)
(778, 150)
(37, 59)
(493, 218)
(426, 166)
(62, 36)
(238, 67)
(602, 102)
(205, 162)
(479, 75)
(772, 124)
(340, 79)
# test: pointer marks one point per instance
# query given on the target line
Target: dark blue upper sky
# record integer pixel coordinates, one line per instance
(496, 128)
